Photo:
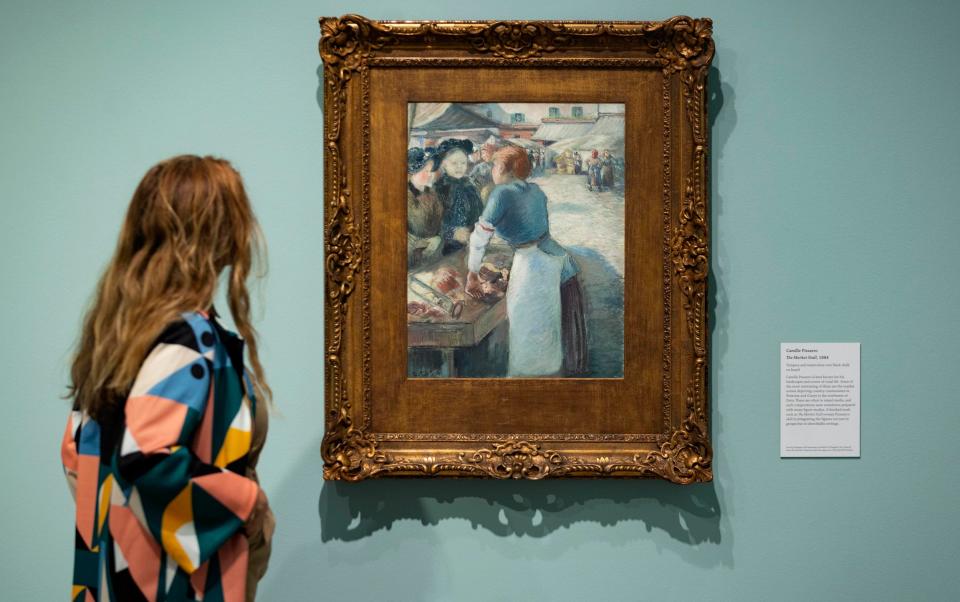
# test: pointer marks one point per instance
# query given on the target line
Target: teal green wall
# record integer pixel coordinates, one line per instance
(835, 213)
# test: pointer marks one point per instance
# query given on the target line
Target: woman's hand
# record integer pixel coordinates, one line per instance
(258, 521)
(473, 287)
(433, 245)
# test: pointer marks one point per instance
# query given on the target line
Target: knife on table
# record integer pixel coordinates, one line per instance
(435, 297)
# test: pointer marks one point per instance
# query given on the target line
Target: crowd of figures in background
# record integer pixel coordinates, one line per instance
(603, 171)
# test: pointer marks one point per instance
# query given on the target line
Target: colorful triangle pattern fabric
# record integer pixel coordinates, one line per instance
(161, 503)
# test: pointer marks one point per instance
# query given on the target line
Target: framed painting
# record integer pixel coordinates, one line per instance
(516, 239)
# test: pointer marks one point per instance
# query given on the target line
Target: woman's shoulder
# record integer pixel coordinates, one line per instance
(191, 329)
(531, 190)
(501, 192)
(428, 195)
(516, 189)
(442, 184)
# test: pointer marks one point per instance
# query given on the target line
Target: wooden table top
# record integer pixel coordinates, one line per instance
(477, 319)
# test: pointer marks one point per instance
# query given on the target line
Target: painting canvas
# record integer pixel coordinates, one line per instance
(515, 240)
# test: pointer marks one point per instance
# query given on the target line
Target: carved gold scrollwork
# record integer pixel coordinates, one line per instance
(343, 249)
(519, 40)
(349, 453)
(687, 43)
(690, 250)
(686, 457)
(692, 455)
(514, 460)
(683, 48)
(345, 43)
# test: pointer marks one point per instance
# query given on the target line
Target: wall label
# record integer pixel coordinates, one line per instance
(819, 400)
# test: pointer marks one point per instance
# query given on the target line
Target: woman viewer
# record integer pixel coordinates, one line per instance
(161, 447)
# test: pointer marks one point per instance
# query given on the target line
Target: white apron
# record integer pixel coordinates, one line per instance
(533, 309)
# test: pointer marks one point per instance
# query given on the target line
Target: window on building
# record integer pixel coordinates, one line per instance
(578, 111)
(554, 111)
(517, 118)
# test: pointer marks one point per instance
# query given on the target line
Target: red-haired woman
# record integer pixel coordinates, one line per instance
(547, 335)
(161, 447)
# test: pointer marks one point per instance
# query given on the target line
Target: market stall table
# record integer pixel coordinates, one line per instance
(447, 328)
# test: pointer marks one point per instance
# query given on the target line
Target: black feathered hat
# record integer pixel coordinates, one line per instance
(418, 157)
(449, 145)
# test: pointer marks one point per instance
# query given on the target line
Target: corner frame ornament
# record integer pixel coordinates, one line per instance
(682, 49)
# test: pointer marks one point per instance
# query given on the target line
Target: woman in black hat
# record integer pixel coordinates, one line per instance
(460, 199)
(424, 211)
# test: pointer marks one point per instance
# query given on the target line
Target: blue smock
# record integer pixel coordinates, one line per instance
(518, 213)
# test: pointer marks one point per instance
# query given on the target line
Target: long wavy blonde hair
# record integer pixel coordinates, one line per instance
(189, 220)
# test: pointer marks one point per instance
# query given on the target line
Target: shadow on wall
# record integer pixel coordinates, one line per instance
(721, 118)
(720, 96)
(351, 511)
(691, 515)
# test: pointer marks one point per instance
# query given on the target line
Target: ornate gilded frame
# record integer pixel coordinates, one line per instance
(680, 50)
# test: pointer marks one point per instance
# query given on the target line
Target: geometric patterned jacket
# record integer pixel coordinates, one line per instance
(161, 497)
